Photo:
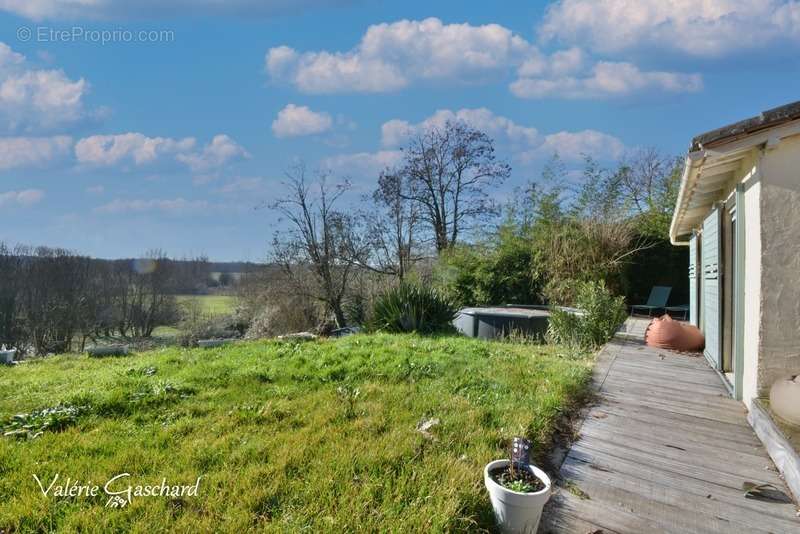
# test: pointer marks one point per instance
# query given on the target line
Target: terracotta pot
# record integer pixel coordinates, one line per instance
(784, 399)
(666, 333)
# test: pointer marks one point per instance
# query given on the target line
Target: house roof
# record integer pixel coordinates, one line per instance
(716, 156)
(766, 119)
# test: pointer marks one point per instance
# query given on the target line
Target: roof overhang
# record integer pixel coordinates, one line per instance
(705, 178)
(709, 171)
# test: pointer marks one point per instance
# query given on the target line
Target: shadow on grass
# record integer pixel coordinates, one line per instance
(478, 511)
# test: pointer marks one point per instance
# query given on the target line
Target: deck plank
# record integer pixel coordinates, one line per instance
(645, 381)
(682, 423)
(670, 436)
(665, 449)
(710, 510)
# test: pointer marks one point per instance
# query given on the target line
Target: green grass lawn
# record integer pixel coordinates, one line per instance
(319, 436)
(211, 304)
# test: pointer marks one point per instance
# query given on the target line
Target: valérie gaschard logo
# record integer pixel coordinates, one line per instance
(118, 489)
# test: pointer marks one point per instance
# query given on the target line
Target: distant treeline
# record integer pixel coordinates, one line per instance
(231, 266)
(53, 300)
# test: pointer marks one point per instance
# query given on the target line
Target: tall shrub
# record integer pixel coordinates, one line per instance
(600, 315)
(498, 271)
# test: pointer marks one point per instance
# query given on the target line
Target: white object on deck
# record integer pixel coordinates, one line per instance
(784, 399)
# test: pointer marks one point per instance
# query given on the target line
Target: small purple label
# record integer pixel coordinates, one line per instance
(521, 451)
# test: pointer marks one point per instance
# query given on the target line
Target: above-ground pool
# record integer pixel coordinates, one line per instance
(495, 322)
(498, 322)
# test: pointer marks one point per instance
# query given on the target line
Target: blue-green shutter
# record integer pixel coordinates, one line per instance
(694, 315)
(712, 288)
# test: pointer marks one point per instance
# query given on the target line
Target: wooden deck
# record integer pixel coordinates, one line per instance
(665, 449)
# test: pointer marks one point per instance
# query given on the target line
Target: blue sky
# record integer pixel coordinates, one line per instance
(173, 139)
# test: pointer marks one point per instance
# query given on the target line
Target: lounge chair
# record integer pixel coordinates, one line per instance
(656, 301)
(675, 311)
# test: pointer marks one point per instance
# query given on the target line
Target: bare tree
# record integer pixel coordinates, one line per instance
(646, 184)
(192, 274)
(321, 241)
(644, 177)
(52, 296)
(448, 172)
(11, 267)
(391, 228)
(150, 294)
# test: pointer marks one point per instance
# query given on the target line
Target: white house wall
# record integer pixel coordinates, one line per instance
(752, 288)
(779, 344)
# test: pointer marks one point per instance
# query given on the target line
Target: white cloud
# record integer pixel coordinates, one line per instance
(323, 72)
(214, 155)
(699, 28)
(176, 206)
(43, 92)
(294, 121)
(362, 163)
(32, 151)
(560, 63)
(27, 197)
(137, 148)
(524, 143)
(32, 99)
(573, 145)
(280, 60)
(242, 185)
(395, 132)
(392, 55)
(9, 58)
(105, 9)
(605, 80)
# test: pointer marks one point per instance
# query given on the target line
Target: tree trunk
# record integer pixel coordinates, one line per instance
(338, 314)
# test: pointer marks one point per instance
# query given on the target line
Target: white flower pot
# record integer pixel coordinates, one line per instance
(7, 356)
(784, 399)
(516, 512)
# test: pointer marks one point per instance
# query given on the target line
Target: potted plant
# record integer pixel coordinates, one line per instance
(517, 489)
(7, 355)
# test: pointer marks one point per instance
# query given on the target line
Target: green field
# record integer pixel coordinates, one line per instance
(211, 304)
(287, 437)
